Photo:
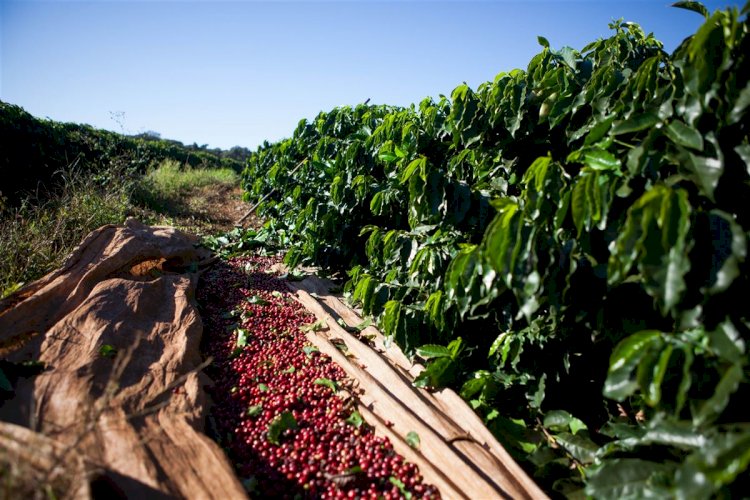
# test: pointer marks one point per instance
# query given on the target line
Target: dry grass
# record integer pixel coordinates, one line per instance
(37, 237)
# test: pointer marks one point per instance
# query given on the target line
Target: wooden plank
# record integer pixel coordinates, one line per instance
(447, 413)
(394, 403)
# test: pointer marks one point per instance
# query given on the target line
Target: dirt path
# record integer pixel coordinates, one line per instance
(204, 211)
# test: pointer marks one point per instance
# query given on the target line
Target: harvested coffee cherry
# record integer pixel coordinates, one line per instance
(276, 408)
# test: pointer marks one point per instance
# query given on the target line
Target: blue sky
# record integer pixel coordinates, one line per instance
(239, 72)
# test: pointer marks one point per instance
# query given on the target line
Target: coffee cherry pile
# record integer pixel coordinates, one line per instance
(276, 410)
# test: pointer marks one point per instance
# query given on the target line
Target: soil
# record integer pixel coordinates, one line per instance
(204, 211)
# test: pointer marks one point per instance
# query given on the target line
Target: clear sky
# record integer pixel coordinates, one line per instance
(239, 72)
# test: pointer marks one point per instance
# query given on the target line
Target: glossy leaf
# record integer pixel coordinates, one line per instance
(331, 384)
(412, 439)
(692, 6)
(284, 421)
(438, 373)
(655, 239)
(242, 337)
(430, 351)
(581, 448)
(621, 382)
(635, 124)
(684, 135)
(627, 478)
(710, 409)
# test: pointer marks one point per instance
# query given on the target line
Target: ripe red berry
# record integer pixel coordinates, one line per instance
(278, 426)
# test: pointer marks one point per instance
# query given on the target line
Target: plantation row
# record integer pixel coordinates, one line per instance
(576, 231)
(39, 149)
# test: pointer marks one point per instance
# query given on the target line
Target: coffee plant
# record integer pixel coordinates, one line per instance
(581, 225)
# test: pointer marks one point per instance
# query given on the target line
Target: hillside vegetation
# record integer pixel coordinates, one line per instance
(565, 245)
(33, 150)
(62, 181)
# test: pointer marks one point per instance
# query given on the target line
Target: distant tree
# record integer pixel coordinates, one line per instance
(238, 153)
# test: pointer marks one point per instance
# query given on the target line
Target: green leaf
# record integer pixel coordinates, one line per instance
(692, 6)
(503, 239)
(727, 343)
(314, 327)
(626, 478)
(687, 378)
(282, 422)
(364, 324)
(684, 135)
(108, 351)
(412, 439)
(568, 56)
(598, 159)
(590, 199)
(730, 267)
(387, 157)
(653, 393)
(438, 373)
(561, 420)
(456, 347)
(680, 434)
(376, 204)
(340, 344)
(668, 279)
(355, 419)
(391, 317)
(620, 382)
(537, 397)
(742, 102)
(327, 382)
(579, 447)
(254, 410)
(472, 387)
(634, 124)
(710, 409)
(706, 172)
(5, 384)
(557, 420)
(263, 388)
(420, 164)
(499, 341)
(255, 299)
(719, 462)
(309, 349)
(401, 487)
(430, 351)
(655, 237)
(10, 289)
(342, 324)
(577, 425)
(364, 292)
(242, 337)
(543, 41)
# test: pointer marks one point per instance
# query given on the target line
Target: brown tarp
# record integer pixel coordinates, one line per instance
(126, 418)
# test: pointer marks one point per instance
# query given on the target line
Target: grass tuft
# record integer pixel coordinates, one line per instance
(164, 187)
(37, 236)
